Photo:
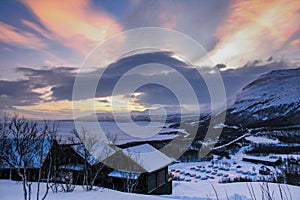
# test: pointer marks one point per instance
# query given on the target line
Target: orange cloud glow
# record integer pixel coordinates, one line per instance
(17, 37)
(63, 108)
(36, 28)
(74, 23)
(255, 29)
(296, 42)
(168, 21)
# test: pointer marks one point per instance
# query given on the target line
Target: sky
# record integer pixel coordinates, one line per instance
(44, 43)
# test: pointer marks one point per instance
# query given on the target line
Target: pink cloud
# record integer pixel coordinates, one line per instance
(73, 23)
(18, 37)
(168, 21)
(36, 28)
(255, 29)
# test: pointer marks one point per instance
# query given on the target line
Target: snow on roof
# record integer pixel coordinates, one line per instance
(73, 167)
(148, 157)
(124, 174)
(264, 159)
(97, 153)
(15, 152)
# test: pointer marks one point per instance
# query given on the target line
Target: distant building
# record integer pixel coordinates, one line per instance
(264, 170)
(263, 160)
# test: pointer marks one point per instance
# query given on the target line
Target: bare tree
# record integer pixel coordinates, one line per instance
(62, 181)
(49, 133)
(88, 142)
(93, 164)
(19, 147)
(131, 171)
(4, 135)
(22, 149)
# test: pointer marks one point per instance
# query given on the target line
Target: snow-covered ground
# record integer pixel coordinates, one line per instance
(181, 190)
(279, 87)
(13, 191)
(258, 140)
(234, 191)
(217, 170)
(198, 181)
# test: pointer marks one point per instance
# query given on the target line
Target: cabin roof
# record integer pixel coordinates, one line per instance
(148, 157)
(124, 174)
(97, 153)
(20, 152)
(262, 159)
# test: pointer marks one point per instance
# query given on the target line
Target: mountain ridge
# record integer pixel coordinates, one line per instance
(273, 99)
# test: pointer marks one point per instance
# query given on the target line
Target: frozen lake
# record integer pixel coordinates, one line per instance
(127, 133)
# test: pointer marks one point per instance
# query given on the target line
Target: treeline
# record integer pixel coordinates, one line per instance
(262, 149)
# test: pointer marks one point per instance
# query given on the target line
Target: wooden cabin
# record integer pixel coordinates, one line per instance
(139, 169)
(263, 160)
(144, 170)
(89, 162)
(264, 170)
(18, 154)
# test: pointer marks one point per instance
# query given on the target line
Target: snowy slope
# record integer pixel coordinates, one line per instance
(13, 191)
(273, 99)
(181, 190)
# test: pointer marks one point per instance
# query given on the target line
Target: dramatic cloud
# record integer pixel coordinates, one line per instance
(256, 29)
(36, 88)
(35, 34)
(234, 79)
(49, 91)
(73, 23)
(17, 93)
(48, 77)
(51, 81)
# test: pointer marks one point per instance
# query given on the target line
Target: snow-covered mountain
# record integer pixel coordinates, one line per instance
(271, 100)
(168, 114)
